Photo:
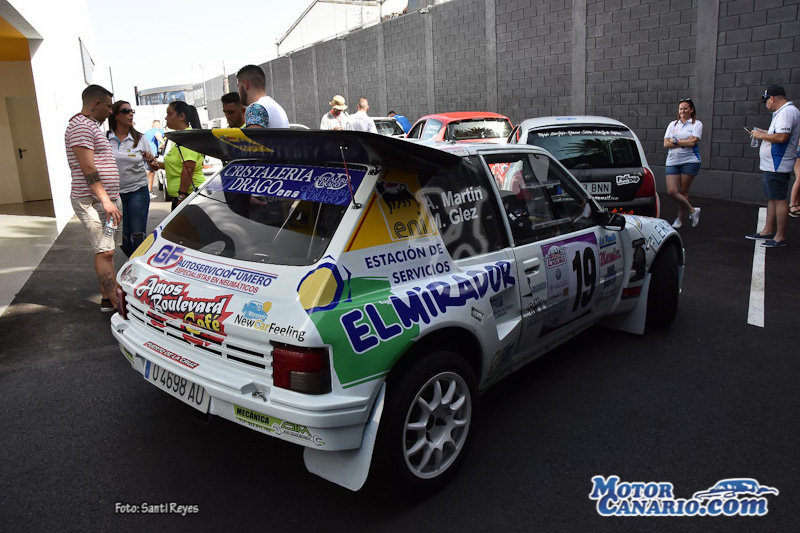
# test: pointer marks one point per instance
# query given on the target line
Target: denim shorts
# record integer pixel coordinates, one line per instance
(690, 169)
(776, 184)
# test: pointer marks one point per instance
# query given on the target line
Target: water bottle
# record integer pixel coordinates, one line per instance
(109, 228)
(754, 141)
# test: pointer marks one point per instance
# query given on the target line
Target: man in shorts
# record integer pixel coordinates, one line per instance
(778, 153)
(95, 185)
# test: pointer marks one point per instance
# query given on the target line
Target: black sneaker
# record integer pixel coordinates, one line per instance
(106, 306)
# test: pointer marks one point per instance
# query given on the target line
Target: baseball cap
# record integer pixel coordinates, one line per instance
(774, 90)
(338, 103)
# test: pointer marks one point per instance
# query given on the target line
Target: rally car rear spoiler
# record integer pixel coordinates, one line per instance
(313, 146)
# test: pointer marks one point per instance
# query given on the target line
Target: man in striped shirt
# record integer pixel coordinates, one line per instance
(95, 185)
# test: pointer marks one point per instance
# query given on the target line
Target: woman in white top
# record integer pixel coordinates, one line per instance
(132, 152)
(683, 159)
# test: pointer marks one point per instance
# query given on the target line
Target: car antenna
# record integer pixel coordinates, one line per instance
(356, 205)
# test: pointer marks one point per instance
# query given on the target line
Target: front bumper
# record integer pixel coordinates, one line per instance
(326, 422)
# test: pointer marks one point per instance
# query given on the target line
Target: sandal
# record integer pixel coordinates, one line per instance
(794, 210)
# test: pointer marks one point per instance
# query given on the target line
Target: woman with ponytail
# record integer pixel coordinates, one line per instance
(183, 167)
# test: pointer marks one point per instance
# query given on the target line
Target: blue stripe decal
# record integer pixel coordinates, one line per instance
(696, 153)
(778, 150)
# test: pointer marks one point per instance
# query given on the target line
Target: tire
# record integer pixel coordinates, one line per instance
(662, 297)
(417, 449)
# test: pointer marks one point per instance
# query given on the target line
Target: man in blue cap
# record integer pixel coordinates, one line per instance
(778, 153)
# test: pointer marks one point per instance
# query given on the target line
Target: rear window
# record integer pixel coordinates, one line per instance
(266, 213)
(589, 147)
(489, 128)
(389, 127)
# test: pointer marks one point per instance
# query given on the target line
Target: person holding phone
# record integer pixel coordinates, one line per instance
(683, 160)
(183, 167)
(133, 154)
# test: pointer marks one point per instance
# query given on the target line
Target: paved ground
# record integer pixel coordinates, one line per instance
(710, 398)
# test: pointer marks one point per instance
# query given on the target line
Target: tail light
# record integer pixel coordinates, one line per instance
(122, 304)
(648, 189)
(648, 186)
(300, 369)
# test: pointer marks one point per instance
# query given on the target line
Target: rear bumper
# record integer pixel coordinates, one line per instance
(324, 422)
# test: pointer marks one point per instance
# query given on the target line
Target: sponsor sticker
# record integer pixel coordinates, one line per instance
(628, 179)
(297, 182)
(188, 363)
(270, 424)
(172, 299)
(176, 260)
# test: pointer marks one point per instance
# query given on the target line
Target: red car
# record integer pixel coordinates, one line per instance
(463, 126)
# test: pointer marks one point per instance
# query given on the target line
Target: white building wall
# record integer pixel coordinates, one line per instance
(59, 80)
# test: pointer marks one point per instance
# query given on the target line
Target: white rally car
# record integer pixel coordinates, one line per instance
(353, 293)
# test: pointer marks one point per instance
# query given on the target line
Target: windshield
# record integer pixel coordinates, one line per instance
(589, 147)
(482, 128)
(389, 127)
(266, 213)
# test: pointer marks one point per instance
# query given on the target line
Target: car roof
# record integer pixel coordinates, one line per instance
(568, 120)
(467, 149)
(384, 118)
(463, 115)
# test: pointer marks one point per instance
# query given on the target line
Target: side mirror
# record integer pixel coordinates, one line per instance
(609, 220)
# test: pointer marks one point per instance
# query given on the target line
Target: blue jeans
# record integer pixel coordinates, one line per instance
(135, 208)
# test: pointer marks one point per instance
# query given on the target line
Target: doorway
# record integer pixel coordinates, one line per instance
(26, 134)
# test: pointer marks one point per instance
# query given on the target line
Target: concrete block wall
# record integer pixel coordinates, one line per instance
(331, 76)
(305, 86)
(632, 60)
(214, 91)
(640, 61)
(406, 74)
(364, 71)
(459, 58)
(758, 46)
(534, 57)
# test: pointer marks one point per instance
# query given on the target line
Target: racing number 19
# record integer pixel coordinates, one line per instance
(586, 272)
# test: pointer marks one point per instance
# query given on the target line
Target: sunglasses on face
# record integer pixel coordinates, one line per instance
(127, 111)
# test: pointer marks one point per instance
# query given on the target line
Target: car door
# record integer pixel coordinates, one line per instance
(416, 131)
(565, 260)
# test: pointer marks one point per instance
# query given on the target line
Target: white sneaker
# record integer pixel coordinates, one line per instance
(695, 217)
(153, 196)
(677, 224)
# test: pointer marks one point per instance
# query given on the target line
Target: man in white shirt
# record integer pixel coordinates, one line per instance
(262, 111)
(360, 121)
(336, 118)
(778, 153)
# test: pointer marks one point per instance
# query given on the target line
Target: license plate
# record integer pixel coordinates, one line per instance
(181, 388)
(597, 188)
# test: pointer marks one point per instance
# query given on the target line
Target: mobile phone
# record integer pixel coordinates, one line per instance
(748, 131)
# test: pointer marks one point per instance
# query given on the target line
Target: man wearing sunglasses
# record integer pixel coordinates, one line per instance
(778, 153)
(95, 185)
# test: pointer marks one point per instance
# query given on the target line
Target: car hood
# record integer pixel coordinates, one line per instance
(312, 146)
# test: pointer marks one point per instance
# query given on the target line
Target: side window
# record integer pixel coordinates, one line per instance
(462, 204)
(432, 127)
(416, 130)
(539, 199)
